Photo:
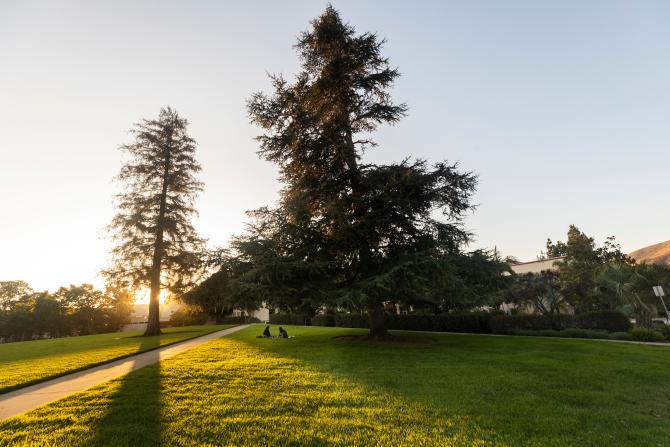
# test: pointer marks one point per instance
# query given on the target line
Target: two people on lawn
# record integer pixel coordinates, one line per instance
(267, 334)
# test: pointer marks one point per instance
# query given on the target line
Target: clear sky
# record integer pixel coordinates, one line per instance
(561, 107)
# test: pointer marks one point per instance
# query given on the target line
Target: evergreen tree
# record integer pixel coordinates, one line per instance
(345, 233)
(157, 245)
(582, 262)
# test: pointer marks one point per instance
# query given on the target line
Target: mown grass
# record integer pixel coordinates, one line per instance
(29, 362)
(316, 390)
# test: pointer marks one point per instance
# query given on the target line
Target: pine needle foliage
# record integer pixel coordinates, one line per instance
(156, 243)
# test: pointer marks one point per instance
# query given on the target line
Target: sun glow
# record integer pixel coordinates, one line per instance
(142, 296)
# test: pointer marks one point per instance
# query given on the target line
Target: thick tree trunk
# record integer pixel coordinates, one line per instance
(377, 317)
(153, 320)
(376, 314)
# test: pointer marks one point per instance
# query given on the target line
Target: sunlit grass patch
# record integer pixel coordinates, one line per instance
(230, 393)
(28, 362)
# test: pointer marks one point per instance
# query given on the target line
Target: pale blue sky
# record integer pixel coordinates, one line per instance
(562, 108)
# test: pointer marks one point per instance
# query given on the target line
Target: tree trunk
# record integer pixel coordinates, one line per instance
(377, 318)
(153, 320)
(376, 314)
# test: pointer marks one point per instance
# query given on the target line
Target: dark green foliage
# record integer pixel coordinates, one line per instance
(606, 320)
(456, 322)
(294, 319)
(538, 292)
(348, 234)
(578, 271)
(565, 333)
(186, 316)
(327, 320)
(242, 319)
(665, 330)
(507, 324)
(573, 332)
(645, 334)
(620, 336)
(628, 286)
(77, 310)
(212, 296)
(352, 320)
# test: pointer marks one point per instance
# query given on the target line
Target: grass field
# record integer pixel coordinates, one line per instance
(462, 390)
(29, 362)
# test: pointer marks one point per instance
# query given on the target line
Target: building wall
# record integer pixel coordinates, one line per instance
(536, 266)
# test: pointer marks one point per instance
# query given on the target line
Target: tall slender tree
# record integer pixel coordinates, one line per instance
(156, 244)
(345, 233)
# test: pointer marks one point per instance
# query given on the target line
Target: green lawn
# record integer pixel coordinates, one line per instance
(463, 390)
(29, 362)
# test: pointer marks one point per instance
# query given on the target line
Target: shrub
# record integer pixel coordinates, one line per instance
(293, 319)
(536, 333)
(644, 334)
(351, 320)
(244, 319)
(185, 317)
(582, 333)
(566, 333)
(466, 322)
(665, 330)
(477, 323)
(620, 336)
(509, 324)
(323, 320)
(607, 320)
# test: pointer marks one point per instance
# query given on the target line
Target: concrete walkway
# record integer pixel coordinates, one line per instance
(31, 397)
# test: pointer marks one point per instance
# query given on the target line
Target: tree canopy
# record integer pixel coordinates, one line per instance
(346, 233)
(156, 244)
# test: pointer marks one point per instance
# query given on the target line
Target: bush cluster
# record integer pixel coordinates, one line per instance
(571, 332)
(644, 334)
(244, 319)
(588, 325)
(620, 336)
(292, 319)
(607, 321)
(665, 330)
(510, 324)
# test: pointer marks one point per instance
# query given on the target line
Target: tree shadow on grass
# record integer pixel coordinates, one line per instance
(133, 414)
(294, 399)
(514, 383)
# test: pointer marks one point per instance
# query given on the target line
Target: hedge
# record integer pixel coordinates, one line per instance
(608, 321)
(645, 334)
(244, 319)
(478, 323)
(472, 322)
(509, 324)
(292, 319)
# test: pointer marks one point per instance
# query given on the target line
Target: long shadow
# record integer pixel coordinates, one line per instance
(133, 413)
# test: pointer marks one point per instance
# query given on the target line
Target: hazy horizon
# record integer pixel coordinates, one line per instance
(562, 109)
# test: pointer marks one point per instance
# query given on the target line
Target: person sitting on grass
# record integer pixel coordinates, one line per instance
(266, 332)
(283, 333)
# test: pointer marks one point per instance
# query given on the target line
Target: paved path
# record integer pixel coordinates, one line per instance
(31, 397)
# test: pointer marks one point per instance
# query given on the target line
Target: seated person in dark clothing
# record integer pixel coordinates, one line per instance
(266, 332)
(282, 333)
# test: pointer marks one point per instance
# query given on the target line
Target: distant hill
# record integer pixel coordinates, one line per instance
(656, 254)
